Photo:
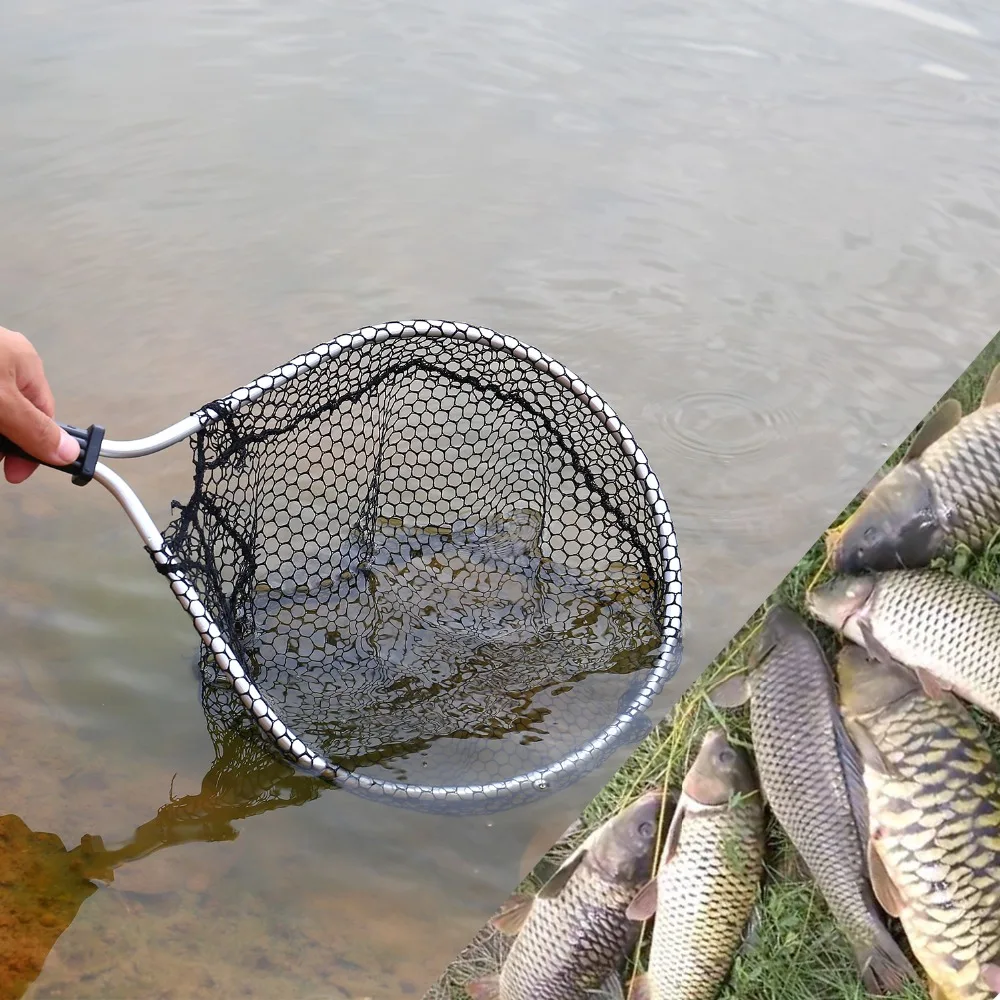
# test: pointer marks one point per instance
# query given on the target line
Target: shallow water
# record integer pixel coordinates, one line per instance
(766, 233)
(427, 656)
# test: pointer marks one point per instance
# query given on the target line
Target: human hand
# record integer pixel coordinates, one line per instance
(26, 410)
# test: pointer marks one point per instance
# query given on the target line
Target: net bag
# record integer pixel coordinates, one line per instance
(428, 563)
(441, 557)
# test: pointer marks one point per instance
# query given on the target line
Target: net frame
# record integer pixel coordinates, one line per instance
(622, 729)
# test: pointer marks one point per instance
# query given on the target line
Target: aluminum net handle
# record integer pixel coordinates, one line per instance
(288, 743)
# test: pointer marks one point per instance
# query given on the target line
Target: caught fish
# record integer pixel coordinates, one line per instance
(810, 774)
(944, 627)
(572, 936)
(933, 791)
(945, 492)
(706, 885)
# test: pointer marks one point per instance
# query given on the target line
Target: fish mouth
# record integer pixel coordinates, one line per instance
(843, 601)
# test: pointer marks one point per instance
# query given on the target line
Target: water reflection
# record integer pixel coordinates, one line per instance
(43, 884)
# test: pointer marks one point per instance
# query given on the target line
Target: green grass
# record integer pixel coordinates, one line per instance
(795, 951)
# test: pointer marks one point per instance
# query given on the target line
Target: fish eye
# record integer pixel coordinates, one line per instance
(727, 756)
(646, 829)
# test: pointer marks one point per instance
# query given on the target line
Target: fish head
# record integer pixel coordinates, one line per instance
(836, 602)
(719, 771)
(624, 847)
(895, 527)
(866, 684)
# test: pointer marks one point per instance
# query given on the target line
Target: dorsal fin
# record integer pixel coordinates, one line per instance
(942, 420)
(991, 394)
(643, 904)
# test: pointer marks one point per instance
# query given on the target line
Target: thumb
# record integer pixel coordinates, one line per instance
(39, 435)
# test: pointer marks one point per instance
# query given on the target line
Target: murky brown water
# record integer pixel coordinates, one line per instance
(767, 233)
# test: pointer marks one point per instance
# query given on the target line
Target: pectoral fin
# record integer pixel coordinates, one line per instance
(510, 918)
(643, 904)
(868, 750)
(873, 647)
(942, 420)
(733, 692)
(933, 686)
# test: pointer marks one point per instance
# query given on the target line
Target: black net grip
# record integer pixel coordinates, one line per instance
(82, 470)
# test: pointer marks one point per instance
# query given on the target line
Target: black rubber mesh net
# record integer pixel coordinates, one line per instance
(431, 557)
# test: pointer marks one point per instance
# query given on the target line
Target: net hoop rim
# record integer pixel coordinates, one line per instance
(566, 770)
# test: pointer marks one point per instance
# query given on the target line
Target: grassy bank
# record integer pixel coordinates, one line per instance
(795, 951)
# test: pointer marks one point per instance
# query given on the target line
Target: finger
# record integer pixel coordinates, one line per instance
(28, 372)
(35, 386)
(17, 470)
(29, 428)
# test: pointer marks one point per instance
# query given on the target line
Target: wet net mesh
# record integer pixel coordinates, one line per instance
(432, 557)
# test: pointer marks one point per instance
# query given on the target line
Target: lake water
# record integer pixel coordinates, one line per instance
(766, 232)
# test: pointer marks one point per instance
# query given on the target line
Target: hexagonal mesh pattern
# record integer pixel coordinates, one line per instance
(438, 567)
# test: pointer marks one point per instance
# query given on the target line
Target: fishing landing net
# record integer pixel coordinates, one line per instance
(428, 563)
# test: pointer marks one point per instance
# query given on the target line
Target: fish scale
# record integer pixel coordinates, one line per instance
(586, 920)
(940, 623)
(576, 931)
(704, 897)
(806, 762)
(936, 819)
(963, 471)
(943, 493)
(797, 758)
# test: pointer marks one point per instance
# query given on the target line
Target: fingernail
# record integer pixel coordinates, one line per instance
(69, 449)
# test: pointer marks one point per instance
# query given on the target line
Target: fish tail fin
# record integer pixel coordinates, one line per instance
(884, 966)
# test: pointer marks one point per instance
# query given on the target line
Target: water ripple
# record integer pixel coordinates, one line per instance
(725, 424)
